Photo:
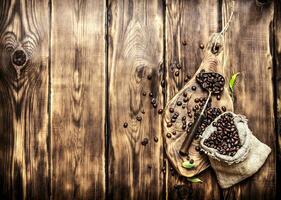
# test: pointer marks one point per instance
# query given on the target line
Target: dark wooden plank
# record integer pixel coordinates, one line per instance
(188, 24)
(24, 155)
(78, 77)
(248, 43)
(277, 82)
(135, 52)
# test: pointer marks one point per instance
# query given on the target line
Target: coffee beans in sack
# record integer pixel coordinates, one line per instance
(234, 152)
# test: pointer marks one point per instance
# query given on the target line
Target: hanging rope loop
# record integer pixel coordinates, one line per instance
(221, 34)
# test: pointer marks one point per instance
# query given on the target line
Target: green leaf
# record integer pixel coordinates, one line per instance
(194, 180)
(188, 165)
(232, 81)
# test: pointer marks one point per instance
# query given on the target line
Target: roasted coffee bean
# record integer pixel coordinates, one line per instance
(169, 124)
(143, 112)
(183, 118)
(139, 118)
(177, 73)
(155, 139)
(153, 101)
(174, 132)
(149, 76)
(183, 126)
(144, 141)
(184, 43)
(154, 105)
(191, 161)
(193, 88)
(196, 100)
(144, 94)
(151, 94)
(197, 148)
(173, 120)
(179, 103)
(160, 111)
(185, 94)
(218, 97)
(171, 110)
(223, 108)
(201, 46)
(168, 135)
(125, 125)
(163, 83)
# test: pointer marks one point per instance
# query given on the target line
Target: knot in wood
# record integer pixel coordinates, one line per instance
(19, 57)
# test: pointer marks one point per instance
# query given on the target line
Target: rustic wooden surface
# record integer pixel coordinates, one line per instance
(78, 100)
(62, 114)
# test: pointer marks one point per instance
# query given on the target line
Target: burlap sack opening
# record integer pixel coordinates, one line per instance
(248, 159)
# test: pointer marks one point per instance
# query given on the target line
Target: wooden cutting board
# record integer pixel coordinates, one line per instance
(212, 62)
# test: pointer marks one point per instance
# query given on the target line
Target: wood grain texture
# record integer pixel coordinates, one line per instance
(248, 43)
(135, 51)
(24, 155)
(188, 24)
(78, 79)
(277, 84)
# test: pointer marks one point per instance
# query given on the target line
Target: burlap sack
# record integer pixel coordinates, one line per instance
(247, 161)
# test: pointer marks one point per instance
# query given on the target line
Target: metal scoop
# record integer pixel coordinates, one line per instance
(188, 140)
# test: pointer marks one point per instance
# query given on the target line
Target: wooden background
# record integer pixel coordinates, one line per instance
(61, 117)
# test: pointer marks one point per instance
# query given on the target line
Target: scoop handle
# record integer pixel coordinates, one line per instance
(188, 140)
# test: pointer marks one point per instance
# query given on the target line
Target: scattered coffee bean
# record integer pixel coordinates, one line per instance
(139, 118)
(201, 46)
(193, 88)
(151, 94)
(218, 97)
(177, 73)
(169, 124)
(155, 139)
(223, 108)
(125, 125)
(197, 148)
(168, 135)
(184, 43)
(179, 103)
(149, 76)
(185, 94)
(191, 161)
(153, 101)
(143, 112)
(144, 142)
(154, 105)
(144, 94)
(163, 83)
(160, 111)
(174, 132)
(171, 110)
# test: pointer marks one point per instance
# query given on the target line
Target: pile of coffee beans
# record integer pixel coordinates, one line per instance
(211, 81)
(225, 139)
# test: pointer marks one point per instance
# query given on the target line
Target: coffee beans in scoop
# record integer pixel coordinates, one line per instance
(211, 81)
(225, 139)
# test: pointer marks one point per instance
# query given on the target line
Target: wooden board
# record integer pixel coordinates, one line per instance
(276, 48)
(184, 35)
(135, 51)
(78, 98)
(24, 150)
(248, 43)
